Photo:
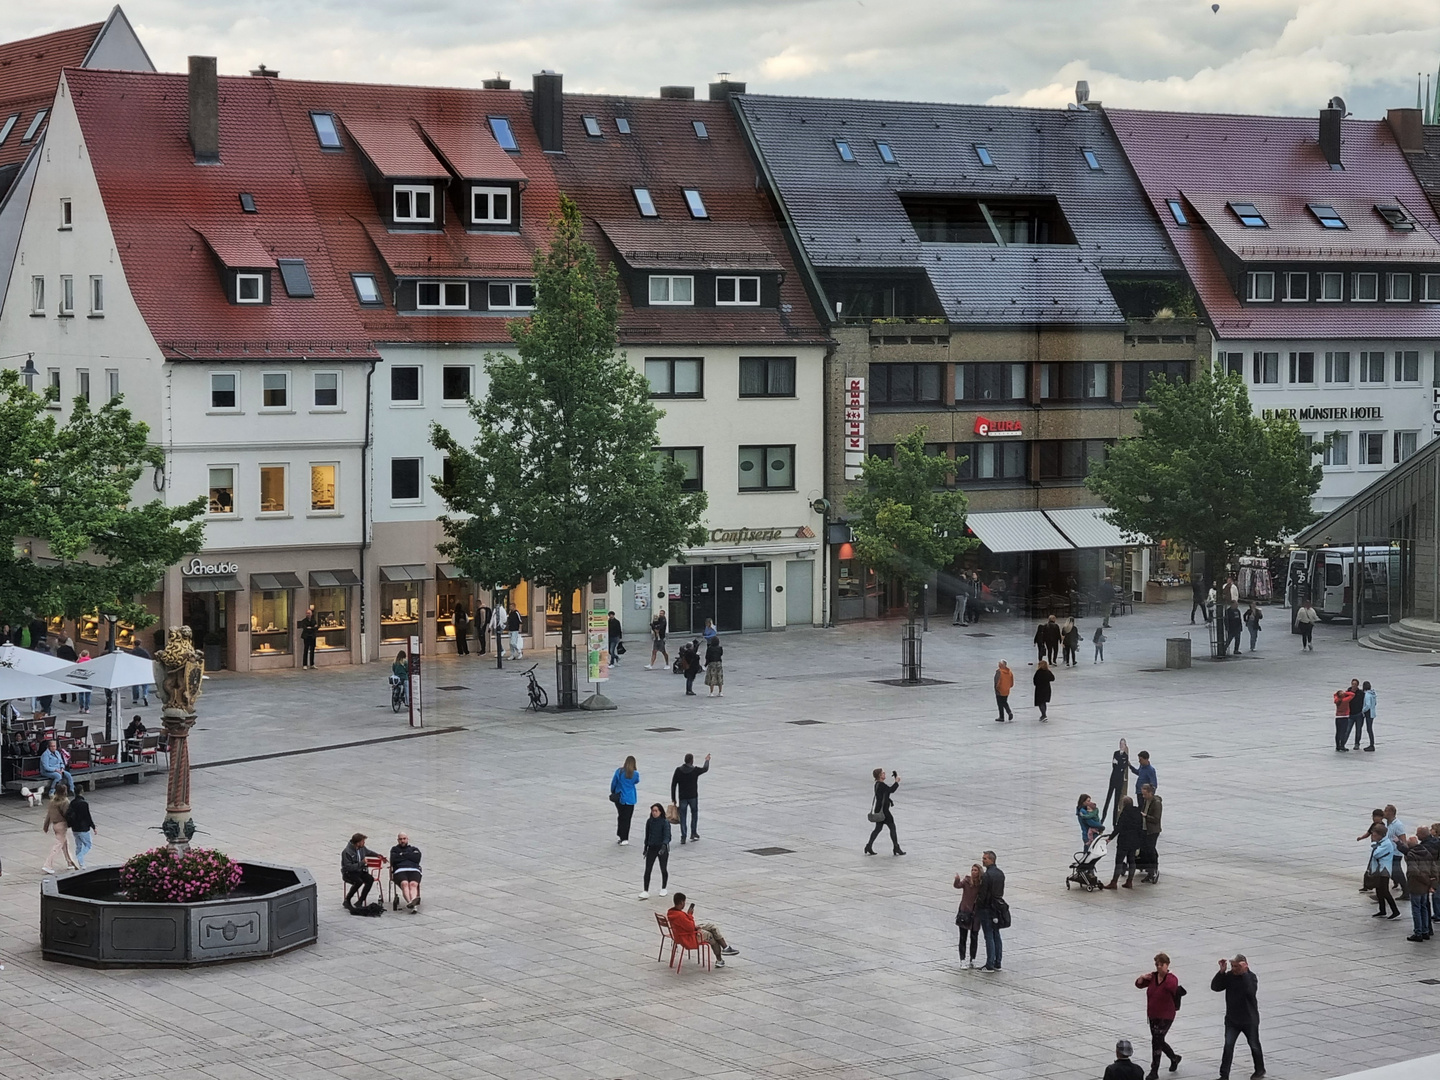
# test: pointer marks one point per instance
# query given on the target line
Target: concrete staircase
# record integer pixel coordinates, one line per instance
(1406, 636)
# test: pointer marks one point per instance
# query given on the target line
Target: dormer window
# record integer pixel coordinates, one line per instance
(500, 128)
(665, 289)
(1395, 217)
(1250, 217)
(1326, 215)
(490, 206)
(414, 203)
(737, 291)
(249, 288)
(325, 130)
(442, 295)
(511, 296)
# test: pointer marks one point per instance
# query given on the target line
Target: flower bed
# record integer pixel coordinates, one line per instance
(161, 876)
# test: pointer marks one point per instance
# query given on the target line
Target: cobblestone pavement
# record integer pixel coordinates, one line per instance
(532, 957)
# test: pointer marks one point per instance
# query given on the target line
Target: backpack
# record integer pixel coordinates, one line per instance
(1002, 913)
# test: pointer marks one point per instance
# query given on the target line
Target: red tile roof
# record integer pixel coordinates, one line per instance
(473, 154)
(236, 246)
(648, 244)
(395, 148)
(1277, 159)
(1294, 233)
(29, 72)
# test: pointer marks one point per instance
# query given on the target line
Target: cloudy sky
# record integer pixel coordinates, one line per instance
(1282, 56)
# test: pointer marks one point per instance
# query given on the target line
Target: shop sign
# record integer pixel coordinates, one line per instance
(752, 536)
(853, 428)
(994, 429)
(672, 591)
(1435, 401)
(200, 568)
(1314, 412)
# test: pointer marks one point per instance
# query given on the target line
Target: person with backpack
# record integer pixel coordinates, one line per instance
(82, 826)
(1162, 1000)
(1099, 639)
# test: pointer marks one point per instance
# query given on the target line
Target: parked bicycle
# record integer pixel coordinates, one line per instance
(538, 698)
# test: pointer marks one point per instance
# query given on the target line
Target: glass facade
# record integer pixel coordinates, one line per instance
(399, 610)
(331, 613)
(269, 622)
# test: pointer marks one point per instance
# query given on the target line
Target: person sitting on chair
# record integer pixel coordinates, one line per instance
(405, 869)
(353, 870)
(136, 729)
(683, 925)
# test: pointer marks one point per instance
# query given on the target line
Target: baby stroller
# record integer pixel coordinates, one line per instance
(1082, 870)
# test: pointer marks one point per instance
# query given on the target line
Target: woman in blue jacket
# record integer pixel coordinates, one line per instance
(1371, 707)
(622, 794)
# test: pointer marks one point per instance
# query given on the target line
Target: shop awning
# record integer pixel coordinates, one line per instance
(218, 583)
(408, 572)
(449, 571)
(742, 552)
(1085, 528)
(1004, 531)
(274, 582)
(333, 579)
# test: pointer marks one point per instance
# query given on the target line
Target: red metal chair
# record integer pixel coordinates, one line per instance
(665, 936)
(689, 942)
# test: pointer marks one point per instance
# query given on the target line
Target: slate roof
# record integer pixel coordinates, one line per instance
(1426, 165)
(1278, 159)
(29, 72)
(848, 215)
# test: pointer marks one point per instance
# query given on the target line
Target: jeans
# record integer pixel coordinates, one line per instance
(1232, 637)
(83, 697)
(63, 775)
(959, 617)
(972, 931)
(992, 937)
(1382, 895)
(139, 693)
(1367, 722)
(1419, 908)
(1254, 633)
(83, 841)
(1342, 731)
(1099, 653)
(1252, 1036)
(693, 806)
(1002, 701)
(614, 660)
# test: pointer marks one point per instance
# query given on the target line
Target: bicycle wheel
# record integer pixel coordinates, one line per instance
(538, 698)
(396, 700)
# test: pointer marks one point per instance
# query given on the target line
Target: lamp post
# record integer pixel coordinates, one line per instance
(109, 693)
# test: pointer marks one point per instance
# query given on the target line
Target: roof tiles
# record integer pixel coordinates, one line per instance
(29, 72)
(395, 148)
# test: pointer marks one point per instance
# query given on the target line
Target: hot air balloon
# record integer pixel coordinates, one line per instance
(1215, 8)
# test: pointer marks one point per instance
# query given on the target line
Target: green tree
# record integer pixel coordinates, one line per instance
(71, 487)
(562, 484)
(1205, 470)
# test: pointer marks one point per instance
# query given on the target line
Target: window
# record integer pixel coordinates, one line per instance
(737, 290)
(67, 294)
(82, 380)
(886, 154)
(1075, 382)
(1069, 459)
(66, 217)
(1366, 287)
(1090, 159)
(34, 128)
(500, 128)
(906, 384)
(1297, 287)
(1430, 287)
(511, 296)
(1332, 286)
(1266, 368)
(52, 386)
(767, 468)
(1000, 220)
(1177, 211)
(622, 125)
(674, 378)
(1337, 367)
(455, 382)
(247, 203)
(295, 277)
(1337, 448)
(414, 202)
(8, 126)
(983, 153)
(272, 489)
(671, 290)
(1406, 443)
(37, 295)
(222, 489)
(405, 479)
(449, 295)
(1372, 367)
(270, 622)
(1250, 217)
(1396, 217)
(322, 488)
(1407, 366)
(700, 130)
(767, 376)
(405, 385)
(1372, 448)
(692, 458)
(1302, 368)
(592, 126)
(1326, 216)
(327, 389)
(997, 461)
(325, 130)
(1397, 287)
(696, 204)
(97, 294)
(490, 206)
(112, 383)
(843, 149)
(1262, 285)
(249, 288)
(644, 202)
(275, 390)
(367, 291)
(1233, 363)
(990, 382)
(223, 391)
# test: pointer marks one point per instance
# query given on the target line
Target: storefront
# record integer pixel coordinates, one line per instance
(402, 597)
(331, 595)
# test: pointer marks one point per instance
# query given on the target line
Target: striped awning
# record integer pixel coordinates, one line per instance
(1004, 531)
(1085, 528)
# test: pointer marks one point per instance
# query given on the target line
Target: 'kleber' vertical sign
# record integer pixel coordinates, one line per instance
(854, 428)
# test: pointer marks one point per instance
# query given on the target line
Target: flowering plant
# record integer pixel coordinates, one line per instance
(160, 876)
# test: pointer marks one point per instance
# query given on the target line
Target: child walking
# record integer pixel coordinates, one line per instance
(1099, 640)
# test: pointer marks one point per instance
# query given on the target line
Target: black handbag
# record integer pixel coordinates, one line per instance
(615, 797)
(1001, 911)
(875, 816)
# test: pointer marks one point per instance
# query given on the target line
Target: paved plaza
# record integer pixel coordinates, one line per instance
(532, 957)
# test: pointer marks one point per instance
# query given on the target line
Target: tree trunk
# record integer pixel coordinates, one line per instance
(567, 694)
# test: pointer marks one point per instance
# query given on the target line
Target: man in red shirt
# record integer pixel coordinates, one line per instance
(1162, 998)
(685, 929)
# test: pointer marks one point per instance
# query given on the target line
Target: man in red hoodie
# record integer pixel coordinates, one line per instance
(1162, 998)
(684, 928)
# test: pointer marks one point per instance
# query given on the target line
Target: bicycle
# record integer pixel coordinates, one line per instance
(538, 698)
(397, 693)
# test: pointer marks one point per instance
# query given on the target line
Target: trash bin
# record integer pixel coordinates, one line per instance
(1177, 652)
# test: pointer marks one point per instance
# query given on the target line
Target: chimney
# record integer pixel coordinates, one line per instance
(497, 83)
(721, 91)
(1082, 92)
(1406, 126)
(204, 110)
(1330, 118)
(548, 111)
(262, 72)
(679, 93)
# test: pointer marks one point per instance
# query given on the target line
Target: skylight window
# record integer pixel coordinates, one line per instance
(1396, 217)
(1326, 215)
(325, 130)
(843, 149)
(295, 277)
(1249, 216)
(701, 132)
(35, 125)
(1177, 211)
(592, 126)
(622, 125)
(247, 203)
(696, 204)
(644, 202)
(366, 290)
(500, 128)
(983, 153)
(886, 154)
(1091, 159)
(8, 126)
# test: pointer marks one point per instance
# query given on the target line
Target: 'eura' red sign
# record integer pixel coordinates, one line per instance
(986, 426)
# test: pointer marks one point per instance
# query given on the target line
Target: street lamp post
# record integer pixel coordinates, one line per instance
(109, 693)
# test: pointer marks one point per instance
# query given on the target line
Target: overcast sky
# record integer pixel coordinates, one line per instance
(1281, 56)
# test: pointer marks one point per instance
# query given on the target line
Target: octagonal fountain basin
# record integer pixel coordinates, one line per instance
(85, 919)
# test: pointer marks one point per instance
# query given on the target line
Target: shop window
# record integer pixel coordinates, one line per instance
(332, 616)
(269, 622)
(990, 382)
(322, 488)
(906, 384)
(1137, 376)
(399, 611)
(517, 598)
(450, 591)
(552, 610)
(1075, 382)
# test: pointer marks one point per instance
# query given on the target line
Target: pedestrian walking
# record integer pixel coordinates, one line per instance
(1119, 779)
(1042, 679)
(881, 814)
(1253, 616)
(1098, 638)
(1234, 624)
(616, 636)
(460, 619)
(1004, 683)
(1395, 833)
(1162, 1000)
(685, 794)
(965, 918)
(82, 827)
(1197, 600)
(1242, 1013)
(962, 597)
(55, 824)
(622, 794)
(481, 622)
(1040, 642)
(309, 634)
(1342, 699)
(1382, 857)
(1151, 809)
(1305, 619)
(1210, 601)
(512, 626)
(690, 665)
(1070, 639)
(1420, 876)
(657, 847)
(499, 619)
(1128, 836)
(659, 626)
(1050, 633)
(140, 692)
(1122, 1068)
(1105, 595)
(714, 667)
(1368, 707)
(992, 910)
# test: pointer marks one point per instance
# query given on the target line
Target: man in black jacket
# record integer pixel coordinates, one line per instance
(685, 792)
(1119, 780)
(82, 826)
(1129, 829)
(992, 889)
(1122, 1068)
(1242, 1013)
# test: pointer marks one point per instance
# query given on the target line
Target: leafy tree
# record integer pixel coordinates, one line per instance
(71, 486)
(1205, 470)
(562, 484)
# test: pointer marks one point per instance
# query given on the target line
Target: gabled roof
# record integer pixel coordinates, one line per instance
(29, 72)
(236, 246)
(395, 148)
(1277, 159)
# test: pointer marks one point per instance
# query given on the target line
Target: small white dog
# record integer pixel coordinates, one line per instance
(32, 796)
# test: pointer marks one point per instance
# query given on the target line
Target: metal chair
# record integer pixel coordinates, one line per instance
(690, 943)
(665, 935)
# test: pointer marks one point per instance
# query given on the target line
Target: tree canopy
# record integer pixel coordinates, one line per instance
(71, 487)
(1205, 470)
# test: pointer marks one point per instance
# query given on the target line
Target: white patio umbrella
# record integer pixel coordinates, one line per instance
(30, 661)
(22, 684)
(109, 672)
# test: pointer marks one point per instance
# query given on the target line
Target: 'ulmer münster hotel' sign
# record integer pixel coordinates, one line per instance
(1343, 412)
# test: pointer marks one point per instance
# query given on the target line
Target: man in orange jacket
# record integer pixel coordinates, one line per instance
(1004, 681)
(687, 931)
(1343, 698)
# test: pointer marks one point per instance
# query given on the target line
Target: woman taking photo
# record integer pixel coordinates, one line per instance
(1042, 680)
(622, 794)
(657, 846)
(965, 918)
(880, 814)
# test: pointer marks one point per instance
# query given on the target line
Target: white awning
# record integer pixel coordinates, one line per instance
(754, 552)
(1005, 531)
(1087, 529)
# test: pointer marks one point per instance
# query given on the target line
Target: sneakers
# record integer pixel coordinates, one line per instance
(695, 837)
(664, 891)
(47, 869)
(728, 951)
(624, 843)
(719, 961)
(644, 896)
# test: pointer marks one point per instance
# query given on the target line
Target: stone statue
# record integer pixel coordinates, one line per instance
(178, 671)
